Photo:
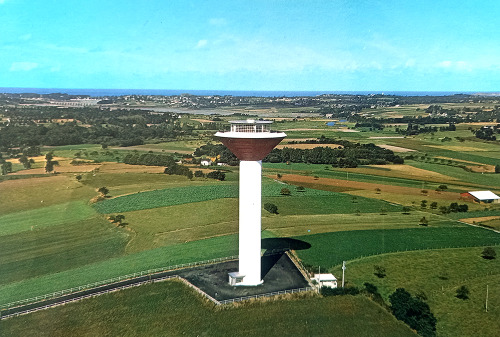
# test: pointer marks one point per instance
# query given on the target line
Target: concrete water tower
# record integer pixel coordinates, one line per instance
(250, 141)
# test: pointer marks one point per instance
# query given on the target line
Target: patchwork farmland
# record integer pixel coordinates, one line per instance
(53, 237)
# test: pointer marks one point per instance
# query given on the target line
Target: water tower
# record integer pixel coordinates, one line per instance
(250, 141)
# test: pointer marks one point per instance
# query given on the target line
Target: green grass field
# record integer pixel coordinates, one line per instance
(52, 249)
(97, 266)
(437, 274)
(330, 249)
(172, 309)
(38, 218)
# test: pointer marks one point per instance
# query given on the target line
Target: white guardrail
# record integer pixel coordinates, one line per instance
(112, 280)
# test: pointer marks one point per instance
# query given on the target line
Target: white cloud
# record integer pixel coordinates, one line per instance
(201, 43)
(458, 65)
(23, 66)
(445, 64)
(217, 22)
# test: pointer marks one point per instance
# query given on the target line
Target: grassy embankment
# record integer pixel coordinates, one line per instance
(437, 274)
(172, 309)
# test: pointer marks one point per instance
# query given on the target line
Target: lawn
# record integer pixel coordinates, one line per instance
(437, 274)
(330, 249)
(172, 309)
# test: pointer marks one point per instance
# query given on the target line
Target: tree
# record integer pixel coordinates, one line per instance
(423, 204)
(463, 293)
(489, 253)
(49, 163)
(271, 208)
(285, 191)
(5, 167)
(423, 221)
(443, 187)
(79, 177)
(117, 219)
(406, 210)
(26, 161)
(199, 174)
(434, 205)
(103, 190)
(497, 168)
(378, 190)
(301, 189)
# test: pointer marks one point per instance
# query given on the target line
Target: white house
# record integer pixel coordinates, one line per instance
(326, 280)
(481, 196)
(206, 162)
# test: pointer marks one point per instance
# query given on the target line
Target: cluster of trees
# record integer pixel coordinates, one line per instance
(454, 208)
(351, 155)
(415, 129)
(148, 159)
(487, 133)
(414, 312)
(34, 126)
(181, 170)
(214, 150)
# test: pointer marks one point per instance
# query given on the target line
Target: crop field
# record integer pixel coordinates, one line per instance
(182, 195)
(330, 249)
(171, 309)
(438, 274)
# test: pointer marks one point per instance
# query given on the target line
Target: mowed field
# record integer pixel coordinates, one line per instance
(52, 237)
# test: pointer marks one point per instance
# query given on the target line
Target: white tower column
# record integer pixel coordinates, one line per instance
(250, 221)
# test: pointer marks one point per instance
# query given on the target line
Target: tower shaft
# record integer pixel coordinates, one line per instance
(250, 221)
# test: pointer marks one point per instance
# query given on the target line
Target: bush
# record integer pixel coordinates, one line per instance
(285, 191)
(379, 271)
(327, 291)
(219, 175)
(489, 253)
(463, 293)
(271, 208)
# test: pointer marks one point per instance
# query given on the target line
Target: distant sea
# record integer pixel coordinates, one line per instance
(168, 92)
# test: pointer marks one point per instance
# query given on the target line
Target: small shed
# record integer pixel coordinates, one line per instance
(326, 280)
(481, 196)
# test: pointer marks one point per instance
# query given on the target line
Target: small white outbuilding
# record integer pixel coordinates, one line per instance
(326, 280)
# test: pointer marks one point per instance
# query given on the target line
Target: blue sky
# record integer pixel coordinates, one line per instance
(251, 45)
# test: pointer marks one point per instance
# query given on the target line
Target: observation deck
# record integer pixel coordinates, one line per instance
(250, 139)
